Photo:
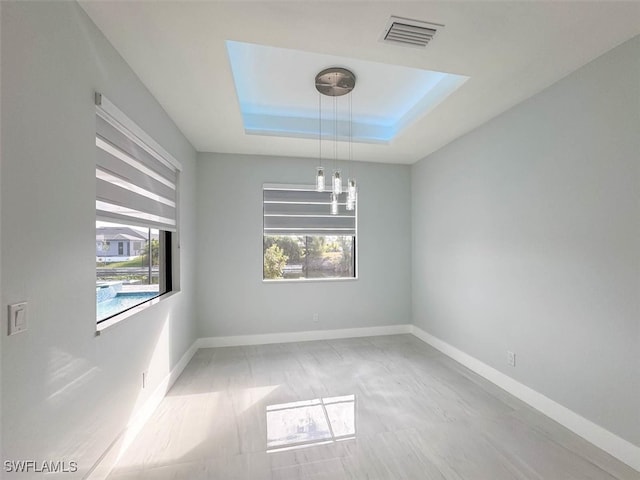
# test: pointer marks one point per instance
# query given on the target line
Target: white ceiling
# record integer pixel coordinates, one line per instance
(263, 78)
(510, 51)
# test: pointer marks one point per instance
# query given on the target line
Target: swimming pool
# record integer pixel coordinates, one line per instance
(121, 302)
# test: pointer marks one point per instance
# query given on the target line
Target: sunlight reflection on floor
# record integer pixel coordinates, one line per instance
(310, 422)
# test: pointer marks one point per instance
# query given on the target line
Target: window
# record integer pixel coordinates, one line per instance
(124, 283)
(136, 215)
(301, 239)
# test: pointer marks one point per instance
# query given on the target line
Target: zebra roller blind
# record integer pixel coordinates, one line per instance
(135, 184)
(301, 210)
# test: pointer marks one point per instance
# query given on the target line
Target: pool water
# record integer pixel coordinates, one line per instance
(121, 302)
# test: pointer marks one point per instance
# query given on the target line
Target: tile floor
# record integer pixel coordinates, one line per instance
(387, 407)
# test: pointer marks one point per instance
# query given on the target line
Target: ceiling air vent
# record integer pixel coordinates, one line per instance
(409, 32)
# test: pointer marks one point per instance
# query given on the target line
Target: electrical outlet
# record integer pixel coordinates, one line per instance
(316, 318)
(145, 376)
(511, 358)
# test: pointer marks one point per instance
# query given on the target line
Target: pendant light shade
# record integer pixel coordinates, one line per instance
(351, 204)
(351, 194)
(337, 182)
(320, 180)
(334, 204)
(351, 187)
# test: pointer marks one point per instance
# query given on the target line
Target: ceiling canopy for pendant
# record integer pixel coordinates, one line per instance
(335, 81)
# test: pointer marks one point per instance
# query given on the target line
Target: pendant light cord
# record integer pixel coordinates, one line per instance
(335, 133)
(320, 128)
(350, 131)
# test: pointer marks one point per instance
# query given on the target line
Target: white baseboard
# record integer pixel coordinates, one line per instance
(612, 444)
(105, 464)
(287, 337)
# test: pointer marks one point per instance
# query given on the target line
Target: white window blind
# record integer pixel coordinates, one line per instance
(136, 180)
(301, 210)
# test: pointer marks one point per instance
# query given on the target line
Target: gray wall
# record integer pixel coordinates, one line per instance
(526, 237)
(66, 392)
(233, 300)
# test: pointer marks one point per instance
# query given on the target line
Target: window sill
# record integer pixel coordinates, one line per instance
(100, 327)
(308, 280)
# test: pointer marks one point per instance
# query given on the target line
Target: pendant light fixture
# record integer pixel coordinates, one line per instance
(334, 204)
(335, 82)
(337, 182)
(320, 180)
(351, 194)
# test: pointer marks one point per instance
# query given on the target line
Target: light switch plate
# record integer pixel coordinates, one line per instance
(17, 318)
